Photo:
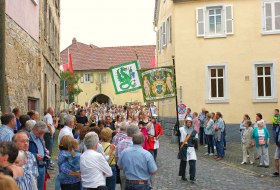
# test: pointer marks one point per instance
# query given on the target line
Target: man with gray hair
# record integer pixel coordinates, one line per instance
(124, 144)
(121, 135)
(137, 164)
(9, 124)
(37, 148)
(68, 127)
(94, 167)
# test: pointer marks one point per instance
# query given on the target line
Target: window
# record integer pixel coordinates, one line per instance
(168, 30)
(271, 16)
(264, 83)
(163, 35)
(214, 21)
(33, 104)
(87, 78)
(102, 77)
(216, 83)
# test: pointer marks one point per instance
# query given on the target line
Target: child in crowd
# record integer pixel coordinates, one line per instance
(261, 137)
(246, 143)
(196, 122)
(70, 155)
(275, 121)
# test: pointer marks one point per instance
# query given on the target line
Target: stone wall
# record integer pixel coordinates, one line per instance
(22, 70)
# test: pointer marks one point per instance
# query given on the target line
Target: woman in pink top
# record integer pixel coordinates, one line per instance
(195, 122)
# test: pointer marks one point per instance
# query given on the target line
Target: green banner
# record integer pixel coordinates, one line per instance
(125, 77)
(158, 83)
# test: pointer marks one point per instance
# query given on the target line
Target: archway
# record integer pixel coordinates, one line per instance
(102, 98)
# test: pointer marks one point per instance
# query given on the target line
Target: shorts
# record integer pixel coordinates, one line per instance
(277, 153)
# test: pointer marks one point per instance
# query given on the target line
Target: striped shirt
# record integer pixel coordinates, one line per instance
(6, 133)
(125, 143)
(118, 138)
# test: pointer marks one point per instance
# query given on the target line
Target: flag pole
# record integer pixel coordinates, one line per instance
(176, 127)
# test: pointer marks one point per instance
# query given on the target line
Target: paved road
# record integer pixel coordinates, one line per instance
(211, 175)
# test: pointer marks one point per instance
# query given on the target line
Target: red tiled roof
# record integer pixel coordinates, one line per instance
(90, 57)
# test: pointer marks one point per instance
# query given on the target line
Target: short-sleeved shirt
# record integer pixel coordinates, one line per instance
(38, 143)
(6, 133)
(140, 168)
(49, 120)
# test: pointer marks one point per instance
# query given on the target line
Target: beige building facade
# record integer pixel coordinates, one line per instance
(92, 63)
(226, 55)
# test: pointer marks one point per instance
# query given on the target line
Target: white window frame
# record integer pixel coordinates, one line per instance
(163, 35)
(168, 31)
(205, 21)
(263, 17)
(87, 76)
(210, 99)
(100, 77)
(273, 97)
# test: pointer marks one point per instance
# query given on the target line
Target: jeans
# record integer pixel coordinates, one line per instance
(264, 157)
(41, 177)
(220, 147)
(49, 144)
(201, 135)
(224, 140)
(274, 127)
(74, 186)
(111, 181)
(153, 153)
(135, 186)
(123, 179)
(209, 139)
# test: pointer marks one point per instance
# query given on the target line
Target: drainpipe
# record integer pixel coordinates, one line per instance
(3, 86)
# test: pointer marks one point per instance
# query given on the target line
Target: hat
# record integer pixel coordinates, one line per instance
(188, 119)
(154, 115)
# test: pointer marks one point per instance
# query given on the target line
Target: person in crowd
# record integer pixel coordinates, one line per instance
(94, 167)
(153, 141)
(83, 133)
(32, 115)
(29, 125)
(246, 143)
(124, 144)
(242, 127)
(69, 165)
(49, 136)
(261, 138)
(109, 149)
(62, 114)
(37, 148)
(259, 117)
(277, 151)
(23, 119)
(137, 171)
(189, 113)
(9, 151)
(67, 129)
(118, 123)
(9, 124)
(188, 144)
(109, 123)
(101, 124)
(209, 131)
(121, 135)
(82, 118)
(219, 128)
(7, 183)
(145, 124)
(202, 119)
(196, 123)
(21, 140)
(17, 113)
(275, 121)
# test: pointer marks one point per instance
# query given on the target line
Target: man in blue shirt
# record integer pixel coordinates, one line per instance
(8, 121)
(138, 164)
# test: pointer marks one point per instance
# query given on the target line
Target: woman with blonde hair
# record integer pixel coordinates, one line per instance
(109, 149)
(7, 183)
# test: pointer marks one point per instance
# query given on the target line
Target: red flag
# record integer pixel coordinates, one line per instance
(70, 63)
(64, 67)
(153, 63)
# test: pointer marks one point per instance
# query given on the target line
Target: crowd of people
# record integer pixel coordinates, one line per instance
(98, 147)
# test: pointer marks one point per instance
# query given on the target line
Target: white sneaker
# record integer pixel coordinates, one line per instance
(243, 163)
(206, 153)
(251, 163)
(206, 146)
(214, 147)
(211, 154)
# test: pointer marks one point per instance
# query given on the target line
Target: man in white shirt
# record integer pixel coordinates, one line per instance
(67, 129)
(94, 167)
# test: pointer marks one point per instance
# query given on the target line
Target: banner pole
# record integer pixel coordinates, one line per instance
(176, 127)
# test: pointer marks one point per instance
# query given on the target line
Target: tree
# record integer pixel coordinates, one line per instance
(71, 81)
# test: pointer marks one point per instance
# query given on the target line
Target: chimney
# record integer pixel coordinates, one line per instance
(74, 41)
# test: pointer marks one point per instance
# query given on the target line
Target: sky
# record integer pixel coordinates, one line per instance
(107, 23)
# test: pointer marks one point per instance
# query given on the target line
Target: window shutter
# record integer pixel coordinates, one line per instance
(160, 37)
(170, 30)
(277, 15)
(82, 80)
(91, 78)
(167, 30)
(163, 35)
(267, 17)
(200, 22)
(229, 19)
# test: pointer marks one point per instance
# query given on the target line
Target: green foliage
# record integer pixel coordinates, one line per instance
(71, 84)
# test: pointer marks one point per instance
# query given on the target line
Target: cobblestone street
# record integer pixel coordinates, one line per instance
(211, 175)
